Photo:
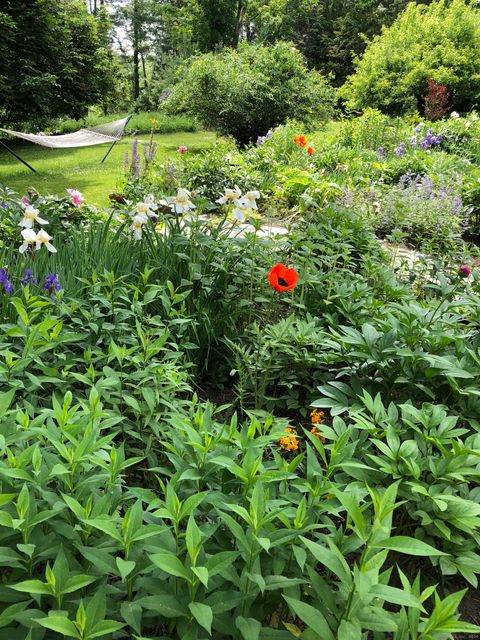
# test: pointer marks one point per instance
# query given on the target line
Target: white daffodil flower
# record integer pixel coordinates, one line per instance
(137, 225)
(181, 202)
(42, 237)
(455, 115)
(29, 237)
(230, 196)
(242, 207)
(30, 216)
(147, 207)
(251, 197)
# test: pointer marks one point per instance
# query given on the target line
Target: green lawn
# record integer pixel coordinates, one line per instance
(60, 169)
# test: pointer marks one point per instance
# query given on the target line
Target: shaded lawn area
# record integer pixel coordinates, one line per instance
(60, 169)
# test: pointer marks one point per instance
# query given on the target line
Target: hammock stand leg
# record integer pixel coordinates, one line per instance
(109, 149)
(115, 141)
(17, 156)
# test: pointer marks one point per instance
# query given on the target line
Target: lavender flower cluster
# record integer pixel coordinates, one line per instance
(429, 141)
(261, 139)
(135, 165)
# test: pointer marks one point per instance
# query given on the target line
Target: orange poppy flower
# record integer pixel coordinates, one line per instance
(281, 278)
(301, 141)
(310, 151)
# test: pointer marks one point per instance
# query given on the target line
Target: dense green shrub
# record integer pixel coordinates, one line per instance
(245, 93)
(440, 41)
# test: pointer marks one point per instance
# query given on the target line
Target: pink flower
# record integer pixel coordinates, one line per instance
(464, 271)
(77, 197)
(182, 149)
(25, 201)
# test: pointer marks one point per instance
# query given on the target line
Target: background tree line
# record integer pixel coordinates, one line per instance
(61, 58)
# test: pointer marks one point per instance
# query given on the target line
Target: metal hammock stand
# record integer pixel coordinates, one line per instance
(103, 133)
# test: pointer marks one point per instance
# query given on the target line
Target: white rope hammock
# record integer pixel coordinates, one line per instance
(109, 132)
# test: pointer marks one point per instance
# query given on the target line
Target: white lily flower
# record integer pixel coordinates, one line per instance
(147, 207)
(29, 237)
(242, 207)
(181, 202)
(230, 196)
(137, 225)
(42, 237)
(30, 216)
(251, 197)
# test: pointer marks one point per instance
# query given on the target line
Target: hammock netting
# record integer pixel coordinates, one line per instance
(109, 132)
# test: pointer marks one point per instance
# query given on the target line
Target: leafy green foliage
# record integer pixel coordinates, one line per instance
(244, 93)
(56, 63)
(424, 42)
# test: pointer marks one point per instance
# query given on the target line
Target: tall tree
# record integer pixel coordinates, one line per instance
(54, 60)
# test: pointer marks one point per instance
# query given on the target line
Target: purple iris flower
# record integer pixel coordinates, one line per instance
(5, 281)
(400, 150)
(28, 278)
(52, 284)
(260, 140)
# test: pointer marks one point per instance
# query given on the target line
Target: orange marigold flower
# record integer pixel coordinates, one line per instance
(315, 432)
(316, 416)
(289, 443)
(310, 151)
(281, 278)
(301, 141)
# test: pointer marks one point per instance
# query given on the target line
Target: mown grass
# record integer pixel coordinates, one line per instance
(60, 169)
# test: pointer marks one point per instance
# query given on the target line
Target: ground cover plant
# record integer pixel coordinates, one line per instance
(210, 431)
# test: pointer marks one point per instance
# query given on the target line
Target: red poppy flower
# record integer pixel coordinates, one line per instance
(301, 141)
(310, 151)
(281, 278)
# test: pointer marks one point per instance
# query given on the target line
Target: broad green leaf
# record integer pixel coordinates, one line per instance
(408, 545)
(311, 616)
(125, 567)
(105, 627)
(60, 624)
(32, 586)
(170, 564)
(77, 582)
(248, 627)
(203, 615)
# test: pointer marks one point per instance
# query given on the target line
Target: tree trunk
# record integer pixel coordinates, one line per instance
(136, 52)
(238, 22)
(143, 69)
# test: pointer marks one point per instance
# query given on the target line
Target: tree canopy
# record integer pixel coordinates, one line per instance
(439, 42)
(54, 60)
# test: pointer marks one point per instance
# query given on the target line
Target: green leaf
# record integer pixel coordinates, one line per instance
(248, 627)
(125, 567)
(167, 606)
(170, 564)
(32, 586)
(220, 561)
(408, 545)
(203, 614)
(60, 624)
(104, 627)
(312, 617)
(396, 596)
(77, 582)
(6, 400)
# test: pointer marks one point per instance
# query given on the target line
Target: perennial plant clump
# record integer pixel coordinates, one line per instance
(212, 430)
